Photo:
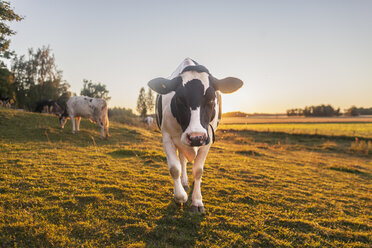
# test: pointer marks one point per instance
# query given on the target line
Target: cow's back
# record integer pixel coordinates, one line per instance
(87, 107)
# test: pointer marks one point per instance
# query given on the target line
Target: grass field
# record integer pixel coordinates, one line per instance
(270, 119)
(360, 130)
(260, 189)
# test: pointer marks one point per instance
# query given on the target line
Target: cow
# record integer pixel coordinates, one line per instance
(149, 120)
(94, 109)
(5, 102)
(188, 110)
(48, 106)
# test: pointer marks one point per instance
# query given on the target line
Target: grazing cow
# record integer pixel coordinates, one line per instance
(48, 106)
(188, 111)
(149, 120)
(5, 102)
(94, 109)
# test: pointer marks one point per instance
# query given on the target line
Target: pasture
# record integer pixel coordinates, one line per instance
(261, 188)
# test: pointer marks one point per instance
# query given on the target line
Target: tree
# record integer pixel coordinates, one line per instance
(150, 101)
(37, 78)
(6, 83)
(142, 103)
(145, 102)
(96, 90)
(352, 111)
(6, 15)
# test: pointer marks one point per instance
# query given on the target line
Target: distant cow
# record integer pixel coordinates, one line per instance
(5, 102)
(188, 111)
(94, 109)
(48, 106)
(148, 120)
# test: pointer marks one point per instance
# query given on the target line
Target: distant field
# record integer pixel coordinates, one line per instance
(285, 119)
(260, 189)
(363, 130)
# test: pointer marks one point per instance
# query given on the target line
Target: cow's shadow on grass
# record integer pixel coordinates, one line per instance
(178, 227)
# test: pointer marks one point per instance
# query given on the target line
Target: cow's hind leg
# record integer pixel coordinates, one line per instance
(197, 172)
(174, 167)
(184, 180)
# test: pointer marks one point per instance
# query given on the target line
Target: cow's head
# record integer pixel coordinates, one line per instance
(194, 101)
(63, 117)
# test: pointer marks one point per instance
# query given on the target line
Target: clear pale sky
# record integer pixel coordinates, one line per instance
(288, 53)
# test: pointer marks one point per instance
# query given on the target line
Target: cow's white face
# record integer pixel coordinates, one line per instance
(193, 104)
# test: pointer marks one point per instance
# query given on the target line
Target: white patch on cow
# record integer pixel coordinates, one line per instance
(149, 120)
(187, 76)
(194, 125)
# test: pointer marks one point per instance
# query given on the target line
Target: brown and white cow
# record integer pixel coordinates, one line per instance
(94, 109)
(188, 111)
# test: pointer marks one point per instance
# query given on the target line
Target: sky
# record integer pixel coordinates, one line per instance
(289, 54)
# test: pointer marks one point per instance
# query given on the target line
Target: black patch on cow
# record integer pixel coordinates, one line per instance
(85, 98)
(193, 93)
(159, 110)
(186, 97)
(180, 110)
(213, 138)
(197, 68)
(90, 100)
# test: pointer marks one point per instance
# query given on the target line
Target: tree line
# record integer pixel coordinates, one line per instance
(34, 77)
(327, 111)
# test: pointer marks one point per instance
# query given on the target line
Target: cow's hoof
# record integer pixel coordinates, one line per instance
(180, 201)
(186, 188)
(196, 209)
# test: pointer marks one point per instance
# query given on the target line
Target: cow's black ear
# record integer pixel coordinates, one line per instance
(163, 85)
(227, 85)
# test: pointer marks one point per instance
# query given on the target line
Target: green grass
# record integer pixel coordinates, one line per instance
(260, 189)
(363, 130)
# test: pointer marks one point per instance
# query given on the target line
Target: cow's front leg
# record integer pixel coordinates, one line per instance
(73, 124)
(197, 172)
(174, 167)
(184, 180)
(102, 126)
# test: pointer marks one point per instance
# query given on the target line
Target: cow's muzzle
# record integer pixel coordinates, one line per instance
(196, 139)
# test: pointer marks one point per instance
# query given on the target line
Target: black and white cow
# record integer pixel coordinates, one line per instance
(48, 106)
(188, 111)
(94, 109)
(5, 102)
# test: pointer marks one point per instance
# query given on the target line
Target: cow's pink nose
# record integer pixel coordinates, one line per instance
(196, 139)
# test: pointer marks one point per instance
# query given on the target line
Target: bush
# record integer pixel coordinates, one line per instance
(361, 146)
(123, 115)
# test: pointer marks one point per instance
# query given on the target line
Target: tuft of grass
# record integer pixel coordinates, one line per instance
(361, 146)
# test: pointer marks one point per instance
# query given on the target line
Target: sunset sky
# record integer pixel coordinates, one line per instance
(288, 53)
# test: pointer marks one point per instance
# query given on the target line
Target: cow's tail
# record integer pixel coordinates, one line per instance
(105, 118)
